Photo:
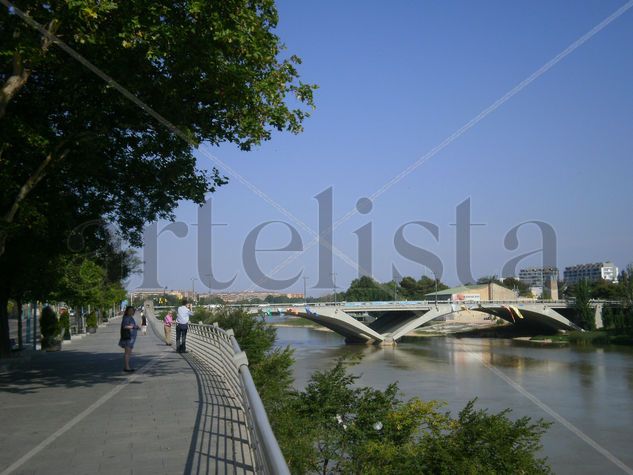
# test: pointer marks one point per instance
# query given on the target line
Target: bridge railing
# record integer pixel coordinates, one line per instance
(219, 350)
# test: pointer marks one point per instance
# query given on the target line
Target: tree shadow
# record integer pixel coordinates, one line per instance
(73, 369)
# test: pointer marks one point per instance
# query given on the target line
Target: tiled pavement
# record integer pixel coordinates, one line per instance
(77, 412)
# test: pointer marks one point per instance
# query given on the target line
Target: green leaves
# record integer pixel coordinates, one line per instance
(212, 68)
(583, 308)
(336, 426)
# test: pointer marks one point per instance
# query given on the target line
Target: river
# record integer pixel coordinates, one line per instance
(587, 393)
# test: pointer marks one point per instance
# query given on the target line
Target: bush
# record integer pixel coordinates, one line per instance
(91, 320)
(618, 319)
(335, 426)
(64, 321)
(50, 327)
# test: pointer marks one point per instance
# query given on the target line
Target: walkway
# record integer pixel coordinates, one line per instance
(77, 412)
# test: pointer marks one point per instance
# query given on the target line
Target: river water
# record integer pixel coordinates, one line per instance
(587, 393)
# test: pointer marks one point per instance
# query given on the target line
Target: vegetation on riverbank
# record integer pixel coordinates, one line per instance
(295, 322)
(618, 330)
(337, 426)
(595, 337)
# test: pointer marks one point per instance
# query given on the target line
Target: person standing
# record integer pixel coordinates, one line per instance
(167, 323)
(143, 322)
(182, 325)
(128, 336)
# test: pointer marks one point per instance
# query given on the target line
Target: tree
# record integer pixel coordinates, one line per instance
(522, 287)
(409, 288)
(489, 279)
(213, 69)
(336, 426)
(604, 290)
(583, 308)
(30, 271)
(74, 149)
(366, 289)
(34, 268)
(82, 282)
(625, 287)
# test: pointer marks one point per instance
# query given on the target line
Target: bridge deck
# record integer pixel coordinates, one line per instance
(76, 412)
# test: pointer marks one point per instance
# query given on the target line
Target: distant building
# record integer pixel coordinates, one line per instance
(473, 293)
(231, 297)
(591, 272)
(539, 278)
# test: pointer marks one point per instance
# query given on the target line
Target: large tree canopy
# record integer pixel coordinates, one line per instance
(75, 145)
(213, 69)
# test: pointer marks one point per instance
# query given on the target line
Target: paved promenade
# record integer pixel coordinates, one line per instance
(77, 412)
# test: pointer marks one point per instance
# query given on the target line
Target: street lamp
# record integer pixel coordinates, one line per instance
(304, 289)
(193, 289)
(333, 274)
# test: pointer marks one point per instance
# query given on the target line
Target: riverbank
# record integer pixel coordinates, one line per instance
(298, 322)
(596, 337)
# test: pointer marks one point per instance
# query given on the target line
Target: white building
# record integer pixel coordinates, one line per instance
(591, 272)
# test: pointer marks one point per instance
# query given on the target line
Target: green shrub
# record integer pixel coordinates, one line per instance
(336, 426)
(64, 321)
(50, 326)
(91, 320)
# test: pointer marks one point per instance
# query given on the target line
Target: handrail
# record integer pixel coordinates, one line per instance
(275, 462)
(219, 350)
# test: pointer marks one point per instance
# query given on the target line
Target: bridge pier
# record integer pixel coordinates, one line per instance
(388, 341)
(598, 316)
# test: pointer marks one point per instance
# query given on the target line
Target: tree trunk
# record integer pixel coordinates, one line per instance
(5, 344)
(18, 303)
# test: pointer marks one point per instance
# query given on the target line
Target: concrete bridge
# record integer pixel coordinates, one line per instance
(386, 322)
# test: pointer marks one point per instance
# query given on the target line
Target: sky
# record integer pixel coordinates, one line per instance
(395, 81)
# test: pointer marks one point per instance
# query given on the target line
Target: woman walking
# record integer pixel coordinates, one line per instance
(128, 336)
(167, 324)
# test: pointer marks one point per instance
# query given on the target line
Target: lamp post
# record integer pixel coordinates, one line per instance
(193, 289)
(305, 299)
(334, 288)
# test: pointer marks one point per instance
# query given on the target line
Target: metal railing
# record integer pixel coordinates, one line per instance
(218, 350)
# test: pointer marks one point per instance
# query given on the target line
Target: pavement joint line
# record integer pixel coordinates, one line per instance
(564, 422)
(79, 417)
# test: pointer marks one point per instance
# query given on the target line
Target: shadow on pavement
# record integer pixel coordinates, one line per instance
(73, 369)
(220, 441)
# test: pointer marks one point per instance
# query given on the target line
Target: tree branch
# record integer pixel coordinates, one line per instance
(25, 189)
(21, 74)
(14, 83)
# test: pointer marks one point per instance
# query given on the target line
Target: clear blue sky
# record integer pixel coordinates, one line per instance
(394, 81)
